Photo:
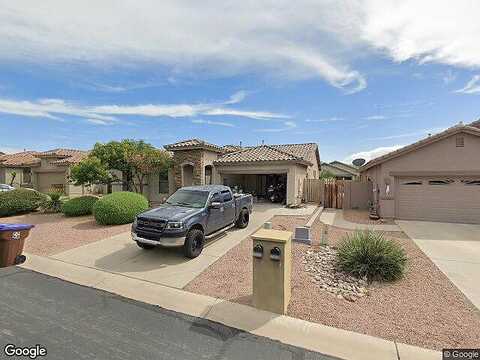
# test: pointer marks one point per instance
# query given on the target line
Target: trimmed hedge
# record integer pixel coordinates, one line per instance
(79, 206)
(20, 201)
(369, 254)
(119, 208)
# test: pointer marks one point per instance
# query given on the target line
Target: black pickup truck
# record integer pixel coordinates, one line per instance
(190, 216)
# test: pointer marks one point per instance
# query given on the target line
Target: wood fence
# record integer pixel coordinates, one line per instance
(338, 194)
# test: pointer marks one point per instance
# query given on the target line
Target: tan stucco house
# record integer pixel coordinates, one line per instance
(434, 179)
(43, 171)
(340, 170)
(251, 169)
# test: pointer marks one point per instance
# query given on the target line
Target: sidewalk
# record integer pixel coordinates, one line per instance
(334, 217)
(316, 337)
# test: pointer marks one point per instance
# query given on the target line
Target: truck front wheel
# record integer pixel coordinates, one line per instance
(194, 243)
(243, 219)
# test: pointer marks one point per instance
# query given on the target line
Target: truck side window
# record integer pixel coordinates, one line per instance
(227, 195)
(216, 198)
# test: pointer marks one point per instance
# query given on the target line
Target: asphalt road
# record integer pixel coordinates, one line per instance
(76, 322)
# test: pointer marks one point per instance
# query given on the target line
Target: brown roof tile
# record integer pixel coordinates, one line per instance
(192, 144)
(24, 158)
(260, 153)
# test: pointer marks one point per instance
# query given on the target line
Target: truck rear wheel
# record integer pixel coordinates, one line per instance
(243, 219)
(194, 243)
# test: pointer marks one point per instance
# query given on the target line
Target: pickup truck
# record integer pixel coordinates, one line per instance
(190, 216)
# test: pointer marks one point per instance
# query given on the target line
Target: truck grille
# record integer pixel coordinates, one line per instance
(154, 226)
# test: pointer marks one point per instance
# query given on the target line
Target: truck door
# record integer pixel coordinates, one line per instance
(215, 216)
(228, 207)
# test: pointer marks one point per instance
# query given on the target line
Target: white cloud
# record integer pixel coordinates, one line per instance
(375, 117)
(109, 114)
(239, 96)
(288, 125)
(371, 154)
(209, 122)
(281, 39)
(438, 31)
(472, 87)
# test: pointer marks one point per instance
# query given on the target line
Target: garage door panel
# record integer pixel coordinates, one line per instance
(453, 202)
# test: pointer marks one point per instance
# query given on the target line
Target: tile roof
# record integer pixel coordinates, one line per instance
(192, 144)
(307, 151)
(473, 128)
(24, 158)
(61, 153)
(348, 168)
(260, 153)
(74, 158)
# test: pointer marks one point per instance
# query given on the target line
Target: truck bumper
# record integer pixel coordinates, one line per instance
(164, 241)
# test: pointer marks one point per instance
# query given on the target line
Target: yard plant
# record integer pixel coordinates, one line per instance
(119, 208)
(53, 203)
(79, 206)
(369, 254)
(20, 201)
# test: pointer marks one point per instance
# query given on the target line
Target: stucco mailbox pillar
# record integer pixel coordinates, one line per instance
(272, 268)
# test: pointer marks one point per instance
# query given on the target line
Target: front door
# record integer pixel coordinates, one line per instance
(215, 216)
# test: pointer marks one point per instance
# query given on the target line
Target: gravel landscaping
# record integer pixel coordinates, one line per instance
(55, 233)
(361, 217)
(423, 309)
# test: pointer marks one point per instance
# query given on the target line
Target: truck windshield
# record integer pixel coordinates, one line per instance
(188, 198)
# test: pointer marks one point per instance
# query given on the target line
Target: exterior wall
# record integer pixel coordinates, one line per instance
(313, 172)
(192, 157)
(441, 157)
(154, 194)
(8, 175)
(2, 175)
(357, 194)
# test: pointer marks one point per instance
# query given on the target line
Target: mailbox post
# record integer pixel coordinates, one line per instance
(272, 264)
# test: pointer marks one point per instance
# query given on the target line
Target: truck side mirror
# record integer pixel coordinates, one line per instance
(215, 205)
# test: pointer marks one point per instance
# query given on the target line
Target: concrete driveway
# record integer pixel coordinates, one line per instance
(454, 248)
(119, 254)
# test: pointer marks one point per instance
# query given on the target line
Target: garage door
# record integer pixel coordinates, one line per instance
(50, 181)
(447, 199)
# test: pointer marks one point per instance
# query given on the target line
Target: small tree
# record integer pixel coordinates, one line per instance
(146, 162)
(326, 175)
(90, 171)
(13, 175)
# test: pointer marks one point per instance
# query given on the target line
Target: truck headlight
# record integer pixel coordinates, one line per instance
(174, 225)
(135, 222)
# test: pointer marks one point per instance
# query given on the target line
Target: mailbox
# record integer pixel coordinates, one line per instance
(272, 253)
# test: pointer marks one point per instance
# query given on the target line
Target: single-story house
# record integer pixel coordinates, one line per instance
(43, 171)
(434, 179)
(340, 170)
(251, 169)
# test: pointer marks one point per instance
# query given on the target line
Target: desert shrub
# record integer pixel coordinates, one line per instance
(79, 206)
(369, 254)
(53, 202)
(119, 208)
(20, 201)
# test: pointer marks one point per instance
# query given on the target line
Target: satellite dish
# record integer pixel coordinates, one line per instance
(359, 162)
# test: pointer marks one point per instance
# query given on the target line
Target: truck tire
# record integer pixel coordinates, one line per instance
(145, 246)
(194, 243)
(243, 219)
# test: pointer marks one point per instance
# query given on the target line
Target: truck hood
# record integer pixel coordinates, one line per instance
(171, 213)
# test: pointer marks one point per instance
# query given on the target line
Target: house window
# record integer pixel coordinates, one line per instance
(208, 175)
(460, 141)
(440, 182)
(412, 183)
(27, 176)
(471, 182)
(163, 183)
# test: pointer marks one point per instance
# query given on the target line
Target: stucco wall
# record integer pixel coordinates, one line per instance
(193, 157)
(439, 157)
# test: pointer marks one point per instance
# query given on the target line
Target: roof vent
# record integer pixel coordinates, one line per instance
(460, 141)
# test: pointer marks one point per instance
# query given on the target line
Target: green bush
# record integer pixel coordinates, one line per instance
(20, 201)
(119, 208)
(79, 206)
(369, 254)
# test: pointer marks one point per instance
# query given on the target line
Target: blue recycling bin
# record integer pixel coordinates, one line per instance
(12, 240)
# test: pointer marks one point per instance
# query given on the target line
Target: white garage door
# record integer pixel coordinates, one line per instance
(448, 199)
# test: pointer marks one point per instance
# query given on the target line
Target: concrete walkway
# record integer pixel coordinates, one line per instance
(335, 217)
(315, 337)
(454, 248)
(119, 254)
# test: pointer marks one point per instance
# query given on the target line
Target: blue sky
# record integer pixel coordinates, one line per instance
(358, 78)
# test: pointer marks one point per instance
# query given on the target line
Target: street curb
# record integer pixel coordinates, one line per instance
(312, 336)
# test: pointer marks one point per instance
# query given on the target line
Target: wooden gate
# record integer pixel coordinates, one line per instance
(334, 192)
(313, 190)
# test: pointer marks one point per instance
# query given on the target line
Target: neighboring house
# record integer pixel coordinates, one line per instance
(340, 170)
(251, 169)
(43, 171)
(436, 179)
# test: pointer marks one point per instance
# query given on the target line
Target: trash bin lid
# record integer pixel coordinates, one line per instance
(15, 227)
